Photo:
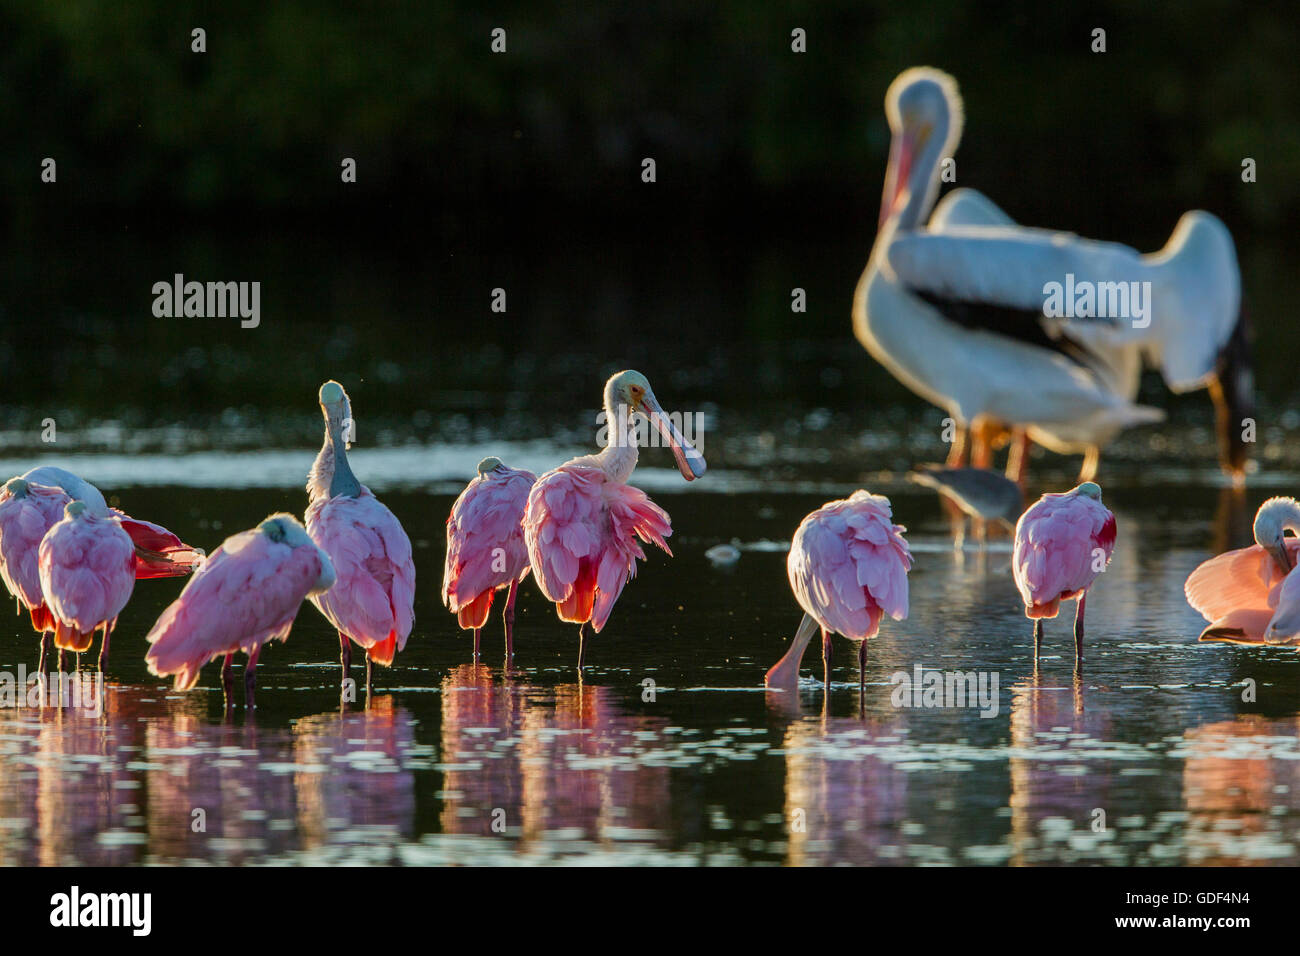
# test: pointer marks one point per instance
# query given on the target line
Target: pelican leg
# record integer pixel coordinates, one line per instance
(957, 450)
(582, 645)
(510, 620)
(228, 681)
(826, 660)
(103, 646)
(250, 679)
(1078, 631)
(1018, 456)
(1091, 458)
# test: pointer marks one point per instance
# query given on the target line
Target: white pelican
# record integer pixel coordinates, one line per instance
(957, 310)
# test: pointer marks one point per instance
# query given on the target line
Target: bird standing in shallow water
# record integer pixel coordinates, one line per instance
(1062, 543)
(583, 518)
(373, 600)
(848, 567)
(246, 594)
(1252, 595)
(34, 503)
(87, 565)
(485, 547)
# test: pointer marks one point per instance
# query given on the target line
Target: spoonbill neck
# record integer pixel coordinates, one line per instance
(619, 457)
(331, 475)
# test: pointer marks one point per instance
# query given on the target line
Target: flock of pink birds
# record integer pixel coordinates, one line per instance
(72, 562)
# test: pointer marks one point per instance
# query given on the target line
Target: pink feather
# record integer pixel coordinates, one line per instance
(485, 543)
(1060, 541)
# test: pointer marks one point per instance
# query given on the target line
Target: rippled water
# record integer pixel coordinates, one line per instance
(456, 763)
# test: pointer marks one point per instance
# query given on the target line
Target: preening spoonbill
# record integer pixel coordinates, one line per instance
(245, 594)
(32, 504)
(373, 600)
(1250, 595)
(485, 547)
(87, 565)
(848, 567)
(957, 312)
(583, 518)
(1062, 543)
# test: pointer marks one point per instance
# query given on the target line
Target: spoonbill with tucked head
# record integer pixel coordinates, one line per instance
(1251, 595)
(583, 519)
(485, 547)
(246, 594)
(373, 600)
(848, 567)
(87, 566)
(1062, 543)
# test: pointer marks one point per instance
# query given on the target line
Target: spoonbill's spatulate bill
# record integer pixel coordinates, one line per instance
(1063, 542)
(1252, 595)
(583, 520)
(373, 600)
(485, 547)
(848, 567)
(27, 511)
(87, 566)
(957, 311)
(247, 593)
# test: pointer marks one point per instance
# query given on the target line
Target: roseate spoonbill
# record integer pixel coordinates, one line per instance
(583, 518)
(1062, 543)
(981, 494)
(1248, 595)
(87, 568)
(485, 547)
(373, 601)
(246, 594)
(848, 567)
(32, 504)
(957, 311)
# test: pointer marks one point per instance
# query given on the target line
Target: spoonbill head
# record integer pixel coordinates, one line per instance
(629, 392)
(1275, 518)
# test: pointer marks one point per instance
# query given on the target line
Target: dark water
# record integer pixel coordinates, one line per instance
(456, 763)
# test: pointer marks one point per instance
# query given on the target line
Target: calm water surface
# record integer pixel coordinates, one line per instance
(453, 763)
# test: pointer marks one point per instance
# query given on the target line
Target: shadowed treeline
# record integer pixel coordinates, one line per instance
(1106, 143)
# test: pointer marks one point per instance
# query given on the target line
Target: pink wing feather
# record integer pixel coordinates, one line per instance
(23, 523)
(373, 599)
(1237, 592)
(581, 528)
(245, 594)
(87, 567)
(848, 565)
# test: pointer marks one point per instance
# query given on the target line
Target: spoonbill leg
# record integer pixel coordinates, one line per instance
(228, 681)
(103, 646)
(250, 679)
(510, 620)
(826, 659)
(1078, 630)
(582, 645)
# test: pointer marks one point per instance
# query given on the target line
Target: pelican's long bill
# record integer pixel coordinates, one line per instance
(897, 173)
(689, 461)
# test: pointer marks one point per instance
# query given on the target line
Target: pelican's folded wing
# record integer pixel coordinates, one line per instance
(1032, 271)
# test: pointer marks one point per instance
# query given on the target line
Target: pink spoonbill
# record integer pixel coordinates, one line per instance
(1251, 595)
(32, 504)
(1062, 543)
(246, 594)
(485, 547)
(373, 600)
(848, 566)
(87, 567)
(583, 519)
